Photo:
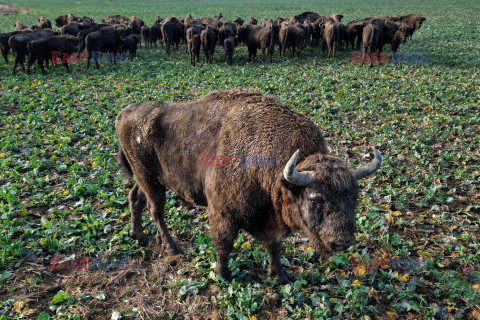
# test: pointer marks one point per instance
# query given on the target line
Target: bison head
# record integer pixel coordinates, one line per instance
(325, 190)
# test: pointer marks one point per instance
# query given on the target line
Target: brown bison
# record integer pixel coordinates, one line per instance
(292, 36)
(256, 37)
(44, 49)
(193, 48)
(172, 33)
(375, 35)
(61, 21)
(145, 32)
(18, 44)
(331, 37)
(306, 190)
(82, 35)
(238, 21)
(209, 40)
(414, 20)
(19, 26)
(226, 31)
(229, 47)
(130, 44)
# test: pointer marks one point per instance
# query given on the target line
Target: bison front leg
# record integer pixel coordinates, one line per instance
(277, 271)
(137, 202)
(223, 234)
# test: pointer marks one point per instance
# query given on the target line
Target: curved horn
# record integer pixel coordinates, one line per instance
(299, 178)
(370, 168)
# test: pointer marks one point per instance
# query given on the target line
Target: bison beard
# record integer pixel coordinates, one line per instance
(318, 196)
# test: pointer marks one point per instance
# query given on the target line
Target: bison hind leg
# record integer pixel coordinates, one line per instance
(137, 202)
(155, 195)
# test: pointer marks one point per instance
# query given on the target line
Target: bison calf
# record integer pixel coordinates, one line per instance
(229, 46)
(193, 46)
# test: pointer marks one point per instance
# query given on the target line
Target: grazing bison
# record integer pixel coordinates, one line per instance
(108, 39)
(4, 46)
(193, 48)
(172, 33)
(229, 47)
(256, 37)
(130, 44)
(292, 37)
(305, 16)
(18, 44)
(156, 34)
(44, 23)
(309, 190)
(19, 26)
(209, 41)
(72, 29)
(44, 49)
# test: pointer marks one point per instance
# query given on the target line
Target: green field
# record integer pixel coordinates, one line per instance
(418, 223)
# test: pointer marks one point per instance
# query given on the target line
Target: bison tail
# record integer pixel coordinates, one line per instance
(127, 172)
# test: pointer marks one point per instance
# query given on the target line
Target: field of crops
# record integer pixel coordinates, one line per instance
(418, 218)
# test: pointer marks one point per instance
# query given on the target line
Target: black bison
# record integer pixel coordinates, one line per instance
(226, 31)
(238, 21)
(4, 46)
(44, 23)
(156, 34)
(209, 41)
(308, 190)
(44, 49)
(72, 29)
(256, 37)
(18, 44)
(82, 35)
(193, 30)
(108, 39)
(305, 16)
(229, 47)
(193, 48)
(172, 33)
(61, 21)
(130, 44)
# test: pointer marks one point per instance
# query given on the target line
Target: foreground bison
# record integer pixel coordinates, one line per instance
(162, 144)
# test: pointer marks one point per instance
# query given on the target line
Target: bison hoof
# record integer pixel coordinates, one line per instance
(174, 249)
(141, 237)
(281, 276)
(227, 275)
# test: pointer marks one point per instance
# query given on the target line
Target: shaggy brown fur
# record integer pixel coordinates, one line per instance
(44, 23)
(331, 38)
(256, 37)
(209, 41)
(257, 199)
(229, 47)
(375, 35)
(173, 31)
(19, 26)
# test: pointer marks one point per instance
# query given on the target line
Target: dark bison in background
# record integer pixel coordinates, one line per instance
(18, 44)
(41, 50)
(108, 39)
(173, 31)
(307, 190)
(4, 46)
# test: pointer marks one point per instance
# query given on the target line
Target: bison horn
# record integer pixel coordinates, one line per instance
(370, 168)
(298, 178)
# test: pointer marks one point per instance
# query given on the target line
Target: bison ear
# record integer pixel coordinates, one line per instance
(423, 19)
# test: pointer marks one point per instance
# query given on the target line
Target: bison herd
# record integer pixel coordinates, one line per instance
(118, 34)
